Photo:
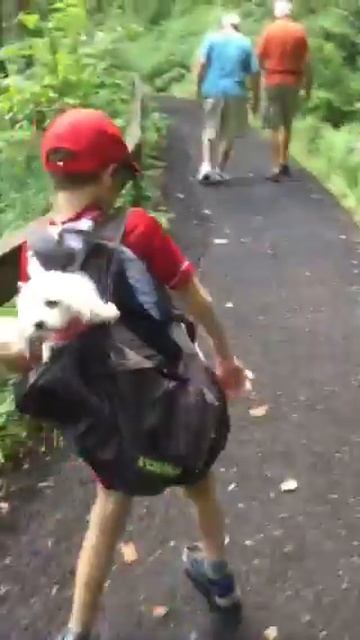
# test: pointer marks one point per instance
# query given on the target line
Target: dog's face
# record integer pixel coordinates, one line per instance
(52, 300)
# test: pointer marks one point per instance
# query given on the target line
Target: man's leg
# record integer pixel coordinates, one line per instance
(209, 150)
(273, 121)
(206, 566)
(225, 152)
(107, 523)
(234, 123)
(290, 105)
(284, 144)
(276, 147)
(212, 116)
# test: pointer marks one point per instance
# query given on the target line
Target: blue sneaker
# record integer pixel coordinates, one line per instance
(221, 592)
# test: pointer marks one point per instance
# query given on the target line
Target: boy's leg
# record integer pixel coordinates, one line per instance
(206, 566)
(107, 522)
(210, 517)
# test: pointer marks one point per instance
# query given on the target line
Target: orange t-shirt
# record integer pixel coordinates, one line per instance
(282, 52)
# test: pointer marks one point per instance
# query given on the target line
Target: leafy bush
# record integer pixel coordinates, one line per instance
(72, 62)
(333, 155)
(165, 50)
(71, 65)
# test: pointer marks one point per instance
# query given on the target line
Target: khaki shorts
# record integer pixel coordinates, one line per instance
(281, 103)
(225, 118)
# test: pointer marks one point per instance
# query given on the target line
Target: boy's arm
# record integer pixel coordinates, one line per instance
(198, 304)
(166, 262)
(13, 359)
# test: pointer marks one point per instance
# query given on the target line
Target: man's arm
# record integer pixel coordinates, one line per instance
(255, 82)
(261, 50)
(202, 64)
(308, 77)
(199, 76)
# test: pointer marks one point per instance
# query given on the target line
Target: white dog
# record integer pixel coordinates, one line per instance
(53, 300)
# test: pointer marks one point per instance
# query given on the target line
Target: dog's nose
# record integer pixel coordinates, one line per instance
(39, 325)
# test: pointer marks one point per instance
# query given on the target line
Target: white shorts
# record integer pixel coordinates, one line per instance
(225, 118)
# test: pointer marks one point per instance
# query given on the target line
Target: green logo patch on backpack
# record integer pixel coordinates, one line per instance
(160, 468)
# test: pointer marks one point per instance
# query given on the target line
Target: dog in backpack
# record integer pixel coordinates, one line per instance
(53, 306)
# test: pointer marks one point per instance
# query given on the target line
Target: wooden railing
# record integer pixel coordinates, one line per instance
(10, 244)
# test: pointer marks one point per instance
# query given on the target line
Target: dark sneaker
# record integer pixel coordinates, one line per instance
(285, 171)
(67, 634)
(221, 593)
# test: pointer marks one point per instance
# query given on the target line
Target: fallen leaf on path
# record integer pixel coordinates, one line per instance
(260, 411)
(249, 543)
(220, 241)
(232, 486)
(129, 552)
(4, 508)
(160, 611)
(229, 305)
(289, 485)
(271, 633)
(47, 484)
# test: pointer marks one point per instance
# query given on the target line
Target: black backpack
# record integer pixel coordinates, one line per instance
(141, 412)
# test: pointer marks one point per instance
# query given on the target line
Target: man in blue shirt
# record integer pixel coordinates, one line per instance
(226, 62)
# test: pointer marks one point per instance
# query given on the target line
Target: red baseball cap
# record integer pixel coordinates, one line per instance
(87, 141)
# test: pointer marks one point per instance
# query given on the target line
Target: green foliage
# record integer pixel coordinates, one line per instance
(71, 64)
(333, 155)
(165, 51)
(64, 59)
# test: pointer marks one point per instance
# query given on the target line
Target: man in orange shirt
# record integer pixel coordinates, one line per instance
(283, 54)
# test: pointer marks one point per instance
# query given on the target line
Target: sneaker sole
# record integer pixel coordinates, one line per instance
(234, 609)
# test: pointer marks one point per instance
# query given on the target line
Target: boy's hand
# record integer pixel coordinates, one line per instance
(232, 377)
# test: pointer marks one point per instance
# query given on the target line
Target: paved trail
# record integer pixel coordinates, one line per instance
(290, 268)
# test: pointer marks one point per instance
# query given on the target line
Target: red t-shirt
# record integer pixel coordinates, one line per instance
(282, 51)
(146, 238)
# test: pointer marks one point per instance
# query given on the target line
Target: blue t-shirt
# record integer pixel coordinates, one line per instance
(229, 60)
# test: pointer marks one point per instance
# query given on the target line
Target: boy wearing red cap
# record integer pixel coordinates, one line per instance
(85, 155)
